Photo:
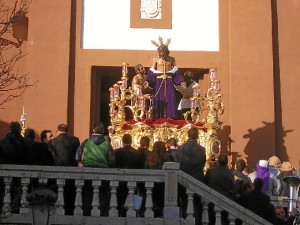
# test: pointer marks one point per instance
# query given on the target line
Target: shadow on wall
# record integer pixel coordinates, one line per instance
(225, 139)
(4, 129)
(261, 144)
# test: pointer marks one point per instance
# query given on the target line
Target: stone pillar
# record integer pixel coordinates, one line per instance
(171, 210)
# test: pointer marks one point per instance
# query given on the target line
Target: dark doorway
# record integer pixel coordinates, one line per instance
(103, 78)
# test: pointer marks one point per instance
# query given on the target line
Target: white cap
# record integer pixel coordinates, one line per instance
(263, 163)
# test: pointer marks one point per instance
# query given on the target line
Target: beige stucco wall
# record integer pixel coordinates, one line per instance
(244, 65)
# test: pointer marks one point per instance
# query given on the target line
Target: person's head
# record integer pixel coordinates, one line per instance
(247, 186)
(29, 134)
(274, 161)
(15, 127)
(193, 133)
(144, 142)
(163, 51)
(223, 160)
(158, 154)
(188, 76)
(46, 136)
(240, 165)
(286, 167)
(139, 69)
(258, 183)
(159, 147)
(246, 170)
(280, 213)
(62, 128)
(172, 142)
(98, 128)
(127, 139)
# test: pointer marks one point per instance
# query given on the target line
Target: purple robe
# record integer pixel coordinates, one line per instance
(264, 174)
(163, 102)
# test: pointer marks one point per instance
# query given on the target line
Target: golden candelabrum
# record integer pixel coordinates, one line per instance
(122, 97)
(210, 102)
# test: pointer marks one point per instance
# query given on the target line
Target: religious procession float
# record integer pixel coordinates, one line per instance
(131, 111)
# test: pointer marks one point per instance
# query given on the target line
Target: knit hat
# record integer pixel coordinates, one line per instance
(274, 161)
(263, 163)
(286, 167)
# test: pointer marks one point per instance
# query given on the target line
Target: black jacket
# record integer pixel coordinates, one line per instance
(192, 158)
(13, 149)
(38, 154)
(63, 149)
(127, 157)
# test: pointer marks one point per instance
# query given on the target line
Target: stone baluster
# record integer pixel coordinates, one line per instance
(149, 203)
(60, 197)
(6, 209)
(190, 208)
(130, 212)
(78, 200)
(231, 219)
(96, 211)
(113, 212)
(218, 211)
(205, 216)
(24, 204)
(171, 210)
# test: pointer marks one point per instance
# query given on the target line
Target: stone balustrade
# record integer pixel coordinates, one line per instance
(23, 177)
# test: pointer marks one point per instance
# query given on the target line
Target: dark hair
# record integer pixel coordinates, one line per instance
(193, 133)
(163, 47)
(144, 141)
(44, 134)
(15, 127)
(127, 139)
(240, 165)
(29, 134)
(188, 74)
(246, 185)
(63, 128)
(172, 142)
(98, 128)
(223, 160)
(258, 183)
(137, 68)
(157, 156)
(246, 169)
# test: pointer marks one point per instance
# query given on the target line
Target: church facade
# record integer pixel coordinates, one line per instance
(256, 57)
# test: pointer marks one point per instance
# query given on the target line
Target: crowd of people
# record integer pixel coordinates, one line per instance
(251, 190)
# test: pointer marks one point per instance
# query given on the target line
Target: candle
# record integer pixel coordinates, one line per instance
(192, 103)
(124, 83)
(116, 87)
(124, 69)
(112, 93)
(196, 90)
(139, 90)
(142, 103)
(111, 111)
(212, 74)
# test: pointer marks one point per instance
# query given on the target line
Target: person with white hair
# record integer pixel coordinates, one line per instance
(274, 164)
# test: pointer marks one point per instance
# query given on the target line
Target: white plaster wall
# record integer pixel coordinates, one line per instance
(195, 26)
